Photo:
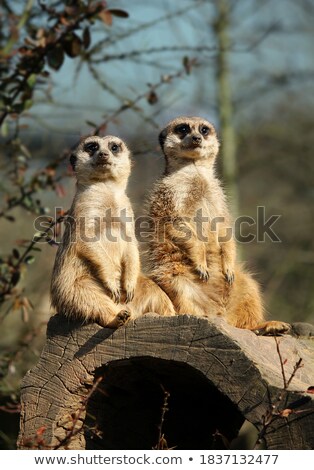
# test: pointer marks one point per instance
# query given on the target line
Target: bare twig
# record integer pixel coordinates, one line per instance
(281, 364)
(162, 443)
(74, 428)
(276, 409)
(8, 287)
(113, 39)
(129, 104)
(153, 50)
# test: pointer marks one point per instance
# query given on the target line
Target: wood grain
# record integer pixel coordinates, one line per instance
(217, 376)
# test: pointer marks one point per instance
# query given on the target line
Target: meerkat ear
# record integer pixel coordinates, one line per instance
(73, 160)
(162, 138)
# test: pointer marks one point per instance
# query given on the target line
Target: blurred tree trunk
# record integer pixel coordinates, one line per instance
(225, 107)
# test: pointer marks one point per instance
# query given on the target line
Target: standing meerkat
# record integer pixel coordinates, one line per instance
(192, 254)
(96, 275)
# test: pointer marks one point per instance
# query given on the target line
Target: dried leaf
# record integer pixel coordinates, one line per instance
(15, 278)
(25, 316)
(187, 64)
(16, 304)
(27, 303)
(285, 413)
(55, 57)
(310, 389)
(152, 97)
(86, 38)
(40, 33)
(22, 241)
(119, 13)
(40, 431)
(72, 10)
(63, 20)
(72, 45)
(60, 191)
(106, 17)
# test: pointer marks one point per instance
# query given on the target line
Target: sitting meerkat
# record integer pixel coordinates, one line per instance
(192, 253)
(96, 275)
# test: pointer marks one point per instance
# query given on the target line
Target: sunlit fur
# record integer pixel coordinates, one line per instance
(95, 278)
(201, 277)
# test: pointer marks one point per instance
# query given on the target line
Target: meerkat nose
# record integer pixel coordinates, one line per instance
(103, 156)
(197, 139)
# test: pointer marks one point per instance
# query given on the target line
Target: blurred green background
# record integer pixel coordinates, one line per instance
(245, 65)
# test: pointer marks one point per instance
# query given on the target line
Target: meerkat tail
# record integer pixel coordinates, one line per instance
(244, 306)
(149, 297)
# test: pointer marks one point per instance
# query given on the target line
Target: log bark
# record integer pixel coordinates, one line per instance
(181, 380)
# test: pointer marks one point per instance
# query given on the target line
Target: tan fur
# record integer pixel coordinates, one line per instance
(96, 277)
(201, 277)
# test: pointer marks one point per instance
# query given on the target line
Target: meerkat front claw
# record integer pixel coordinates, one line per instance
(129, 296)
(229, 277)
(116, 296)
(272, 328)
(203, 273)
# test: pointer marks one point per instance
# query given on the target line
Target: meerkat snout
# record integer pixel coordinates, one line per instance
(103, 158)
(196, 140)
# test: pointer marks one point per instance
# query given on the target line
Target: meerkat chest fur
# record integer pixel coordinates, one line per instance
(103, 213)
(196, 189)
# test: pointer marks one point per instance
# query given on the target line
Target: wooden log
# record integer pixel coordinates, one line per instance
(181, 382)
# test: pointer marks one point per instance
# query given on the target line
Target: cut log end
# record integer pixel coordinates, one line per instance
(167, 382)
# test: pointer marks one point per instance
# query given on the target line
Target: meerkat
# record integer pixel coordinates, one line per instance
(96, 275)
(192, 251)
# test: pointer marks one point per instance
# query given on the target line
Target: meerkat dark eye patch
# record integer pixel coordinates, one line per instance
(91, 147)
(162, 138)
(73, 160)
(115, 147)
(182, 129)
(205, 130)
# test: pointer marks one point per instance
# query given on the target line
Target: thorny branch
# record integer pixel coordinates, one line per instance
(148, 95)
(15, 263)
(276, 408)
(162, 443)
(36, 52)
(114, 38)
(76, 417)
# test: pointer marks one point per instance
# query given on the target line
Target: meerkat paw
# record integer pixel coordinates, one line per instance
(229, 277)
(129, 292)
(129, 296)
(203, 272)
(115, 294)
(121, 319)
(228, 273)
(272, 328)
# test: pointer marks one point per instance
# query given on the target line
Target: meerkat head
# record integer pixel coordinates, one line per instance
(191, 138)
(101, 159)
